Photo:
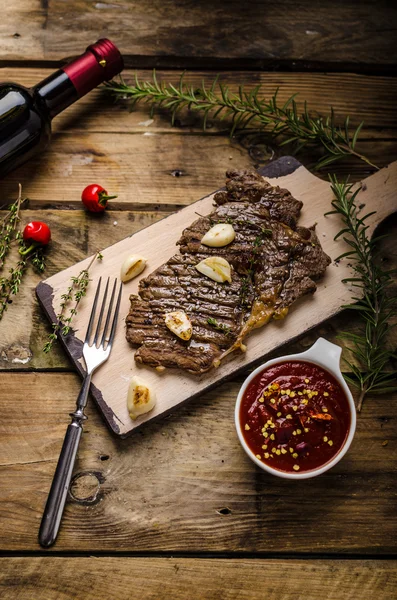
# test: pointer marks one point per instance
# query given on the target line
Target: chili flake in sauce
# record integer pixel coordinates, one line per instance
(295, 416)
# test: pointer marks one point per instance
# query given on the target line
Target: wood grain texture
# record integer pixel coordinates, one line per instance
(185, 484)
(97, 140)
(161, 578)
(110, 383)
(97, 112)
(96, 125)
(264, 31)
(151, 170)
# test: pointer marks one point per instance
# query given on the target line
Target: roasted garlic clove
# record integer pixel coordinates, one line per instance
(131, 267)
(179, 323)
(140, 399)
(216, 268)
(219, 235)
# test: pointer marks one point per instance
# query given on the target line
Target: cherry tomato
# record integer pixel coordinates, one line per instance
(37, 233)
(95, 198)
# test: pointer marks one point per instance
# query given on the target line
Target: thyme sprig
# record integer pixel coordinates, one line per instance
(375, 303)
(9, 286)
(10, 233)
(76, 290)
(8, 226)
(247, 107)
(219, 326)
(248, 280)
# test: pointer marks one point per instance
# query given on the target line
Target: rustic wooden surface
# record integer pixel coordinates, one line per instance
(165, 32)
(172, 577)
(154, 164)
(184, 484)
(183, 487)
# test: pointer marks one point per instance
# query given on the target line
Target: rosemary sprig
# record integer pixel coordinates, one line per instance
(8, 226)
(376, 306)
(76, 291)
(245, 108)
(219, 326)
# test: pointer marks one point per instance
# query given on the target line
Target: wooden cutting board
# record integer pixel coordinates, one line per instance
(158, 243)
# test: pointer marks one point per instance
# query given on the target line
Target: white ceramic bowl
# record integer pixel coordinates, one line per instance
(325, 355)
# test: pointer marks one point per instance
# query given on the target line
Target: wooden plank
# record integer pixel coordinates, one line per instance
(363, 98)
(327, 32)
(76, 234)
(91, 143)
(185, 484)
(138, 168)
(200, 579)
(151, 169)
(110, 383)
(18, 31)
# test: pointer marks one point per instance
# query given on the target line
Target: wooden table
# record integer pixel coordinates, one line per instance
(178, 510)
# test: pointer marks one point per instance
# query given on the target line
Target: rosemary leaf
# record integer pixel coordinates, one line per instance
(377, 306)
(246, 108)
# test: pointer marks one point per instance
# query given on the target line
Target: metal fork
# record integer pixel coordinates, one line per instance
(94, 355)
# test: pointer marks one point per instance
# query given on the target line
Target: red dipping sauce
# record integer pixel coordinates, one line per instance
(295, 416)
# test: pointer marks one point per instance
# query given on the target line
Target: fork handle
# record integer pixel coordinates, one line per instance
(63, 473)
(60, 485)
(82, 397)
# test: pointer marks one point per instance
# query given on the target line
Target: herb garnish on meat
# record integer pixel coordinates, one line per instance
(220, 326)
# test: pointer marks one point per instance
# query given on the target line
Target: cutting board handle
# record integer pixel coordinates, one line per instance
(379, 193)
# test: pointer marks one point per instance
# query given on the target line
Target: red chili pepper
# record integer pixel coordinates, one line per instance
(95, 198)
(36, 234)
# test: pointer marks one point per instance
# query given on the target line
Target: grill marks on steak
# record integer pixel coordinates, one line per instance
(270, 272)
(249, 186)
(178, 285)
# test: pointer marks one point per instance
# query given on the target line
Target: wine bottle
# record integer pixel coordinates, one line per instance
(26, 114)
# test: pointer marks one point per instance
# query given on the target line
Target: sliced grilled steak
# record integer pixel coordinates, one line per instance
(273, 261)
(178, 285)
(249, 186)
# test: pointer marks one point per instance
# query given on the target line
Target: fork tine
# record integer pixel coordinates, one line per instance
(116, 313)
(92, 316)
(109, 314)
(98, 327)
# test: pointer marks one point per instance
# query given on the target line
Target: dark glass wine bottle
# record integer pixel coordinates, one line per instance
(26, 114)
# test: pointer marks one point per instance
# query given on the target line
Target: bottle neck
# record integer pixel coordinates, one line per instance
(55, 93)
(101, 62)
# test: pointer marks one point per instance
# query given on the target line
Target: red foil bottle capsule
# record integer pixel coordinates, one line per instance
(101, 62)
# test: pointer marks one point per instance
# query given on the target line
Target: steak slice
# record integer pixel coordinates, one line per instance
(249, 186)
(177, 285)
(274, 262)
